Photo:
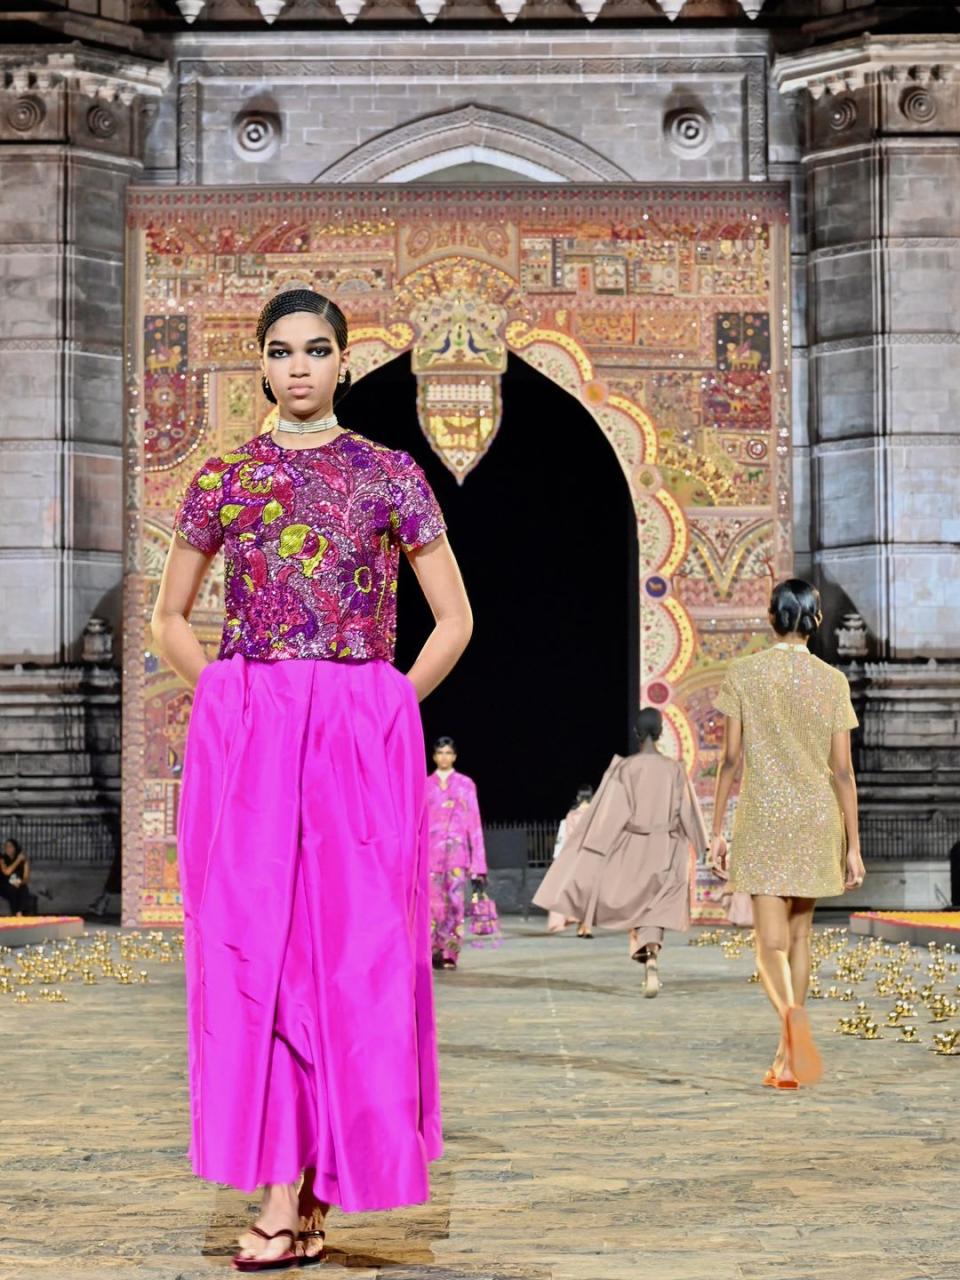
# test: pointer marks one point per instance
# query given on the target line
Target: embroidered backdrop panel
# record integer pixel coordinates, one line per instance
(664, 311)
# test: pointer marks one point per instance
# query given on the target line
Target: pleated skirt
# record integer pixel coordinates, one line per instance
(305, 880)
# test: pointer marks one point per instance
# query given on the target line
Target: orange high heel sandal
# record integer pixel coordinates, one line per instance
(772, 1081)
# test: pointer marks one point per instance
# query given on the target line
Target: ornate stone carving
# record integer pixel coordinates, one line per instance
(918, 105)
(270, 9)
(842, 114)
(26, 113)
(188, 132)
(256, 134)
(430, 9)
(191, 9)
(688, 131)
(851, 638)
(101, 121)
(467, 70)
(842, 68)
(109, 77)
(97, 643)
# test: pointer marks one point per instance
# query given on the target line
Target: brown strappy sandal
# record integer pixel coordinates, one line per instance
(281, 1263)
(311, 1259)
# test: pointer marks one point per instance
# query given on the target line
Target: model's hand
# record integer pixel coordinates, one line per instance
(718, 857)
(855, 868)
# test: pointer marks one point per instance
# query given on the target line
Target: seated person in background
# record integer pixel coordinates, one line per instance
(14, 877)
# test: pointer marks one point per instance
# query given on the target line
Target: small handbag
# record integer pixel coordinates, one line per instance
(484, 921)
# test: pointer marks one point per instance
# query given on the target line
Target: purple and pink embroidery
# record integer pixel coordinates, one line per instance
(312, 542)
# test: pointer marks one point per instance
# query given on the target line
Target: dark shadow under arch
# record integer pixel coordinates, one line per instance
(546, 536)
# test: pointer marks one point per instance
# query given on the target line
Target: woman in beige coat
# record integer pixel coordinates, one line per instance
(627, 864)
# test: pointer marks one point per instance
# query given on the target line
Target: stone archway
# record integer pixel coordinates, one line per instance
(664, 312)
(478, 134)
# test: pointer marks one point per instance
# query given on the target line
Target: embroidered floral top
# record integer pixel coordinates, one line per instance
(311, 539)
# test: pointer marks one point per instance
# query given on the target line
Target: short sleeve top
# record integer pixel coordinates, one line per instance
(312, 541)
(787, 701)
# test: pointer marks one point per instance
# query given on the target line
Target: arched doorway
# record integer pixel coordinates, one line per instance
(546, 533)
(657, 311)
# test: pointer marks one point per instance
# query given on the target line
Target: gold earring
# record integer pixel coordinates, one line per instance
(342, 378)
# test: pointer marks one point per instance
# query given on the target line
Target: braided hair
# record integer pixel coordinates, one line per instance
(291, 301)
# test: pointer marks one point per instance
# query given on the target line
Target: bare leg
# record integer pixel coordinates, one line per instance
(772, 925)
(313, 1215)
(801, 924)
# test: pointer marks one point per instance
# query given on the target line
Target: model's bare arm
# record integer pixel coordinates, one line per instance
(170, 625)
(439, 576)
(726, 775)
(841, 765)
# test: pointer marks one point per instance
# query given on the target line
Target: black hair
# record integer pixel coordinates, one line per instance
(291, 301)
(795, 608)
(584, 792)
(17, 846)
(649, 725)
(445, 742)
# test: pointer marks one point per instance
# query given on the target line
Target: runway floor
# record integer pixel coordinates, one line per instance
(591, 1135)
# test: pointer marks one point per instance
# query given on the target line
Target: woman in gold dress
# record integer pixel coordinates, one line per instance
(788, 716)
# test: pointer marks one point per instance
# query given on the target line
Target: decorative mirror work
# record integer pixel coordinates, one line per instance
(664, 311)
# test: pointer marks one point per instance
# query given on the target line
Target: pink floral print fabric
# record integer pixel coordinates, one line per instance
(312, 541)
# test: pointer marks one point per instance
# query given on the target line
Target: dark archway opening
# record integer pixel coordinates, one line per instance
(545, 534)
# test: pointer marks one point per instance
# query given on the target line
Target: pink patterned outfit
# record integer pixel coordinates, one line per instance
(457, 855)
(302, 836)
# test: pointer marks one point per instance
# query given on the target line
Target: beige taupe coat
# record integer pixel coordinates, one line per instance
(627, 863)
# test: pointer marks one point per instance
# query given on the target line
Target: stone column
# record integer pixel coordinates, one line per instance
(883, 215)
(882, 161)
(70, 126)
(69, 144)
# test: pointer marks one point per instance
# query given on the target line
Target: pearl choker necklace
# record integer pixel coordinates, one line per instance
(308, 428)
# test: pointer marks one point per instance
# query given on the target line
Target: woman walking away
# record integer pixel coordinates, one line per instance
(628, 864)
(788, 717)
(312, 1049)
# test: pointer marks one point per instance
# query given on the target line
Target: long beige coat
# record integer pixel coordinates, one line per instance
(627, 864)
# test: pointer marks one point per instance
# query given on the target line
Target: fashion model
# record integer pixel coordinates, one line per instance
(457, 854)
(627, 865)
(788, 718)
(312, 1050)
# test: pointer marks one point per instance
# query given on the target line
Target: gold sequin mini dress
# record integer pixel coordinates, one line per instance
(788, 832)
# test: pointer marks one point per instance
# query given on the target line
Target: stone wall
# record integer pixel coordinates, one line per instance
(883, 294)
(70, 137)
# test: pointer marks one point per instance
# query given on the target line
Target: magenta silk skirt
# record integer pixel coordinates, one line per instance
(305, 883)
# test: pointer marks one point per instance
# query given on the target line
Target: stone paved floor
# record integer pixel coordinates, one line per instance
(592, 1135)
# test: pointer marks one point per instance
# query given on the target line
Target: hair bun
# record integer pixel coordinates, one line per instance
(786, 618)
(795, 608)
